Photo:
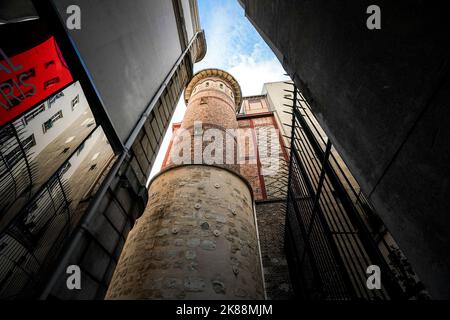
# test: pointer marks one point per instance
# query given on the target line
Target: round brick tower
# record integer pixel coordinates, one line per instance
(197, 238)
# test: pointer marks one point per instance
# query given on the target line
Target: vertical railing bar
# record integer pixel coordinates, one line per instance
(344, 246)
(354, 215)
(335, 253)
(319, 188)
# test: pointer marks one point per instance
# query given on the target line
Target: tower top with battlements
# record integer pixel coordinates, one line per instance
(208, 79)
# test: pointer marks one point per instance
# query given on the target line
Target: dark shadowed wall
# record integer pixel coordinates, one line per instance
(382, 97)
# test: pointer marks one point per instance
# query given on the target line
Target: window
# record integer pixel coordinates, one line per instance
(34, 113)
(221, 86)
(57, 116)
(47, 125)
(13, 157)
(65, 167)
(55, 97)
(29, 142)
(75, 101)
(207, 84)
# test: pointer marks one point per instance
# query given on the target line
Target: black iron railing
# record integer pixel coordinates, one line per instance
(33, 237)
(16, 172)
(332, 233)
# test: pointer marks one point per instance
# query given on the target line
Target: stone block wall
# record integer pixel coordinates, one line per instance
(195, 240)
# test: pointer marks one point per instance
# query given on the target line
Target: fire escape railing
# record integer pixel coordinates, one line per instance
(332, 234)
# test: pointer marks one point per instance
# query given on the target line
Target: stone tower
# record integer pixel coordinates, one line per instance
(197, 238)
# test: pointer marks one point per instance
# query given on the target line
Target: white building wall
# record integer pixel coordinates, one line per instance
(79, 157)
(64, 103)
(187, 18)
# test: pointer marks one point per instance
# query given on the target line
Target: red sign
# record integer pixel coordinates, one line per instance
(29, 77)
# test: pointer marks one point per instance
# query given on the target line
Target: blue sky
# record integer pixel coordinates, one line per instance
(234, 46)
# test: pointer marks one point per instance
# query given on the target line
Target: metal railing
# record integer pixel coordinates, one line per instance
(332, 232)
(32, 239)
(16, 172)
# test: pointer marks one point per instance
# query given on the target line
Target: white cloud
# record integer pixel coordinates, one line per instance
(235, 46)
(252, 72)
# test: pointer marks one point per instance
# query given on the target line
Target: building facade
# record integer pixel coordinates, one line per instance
(268, 175)
(262, 160)
(298, 259)
(76, 147)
